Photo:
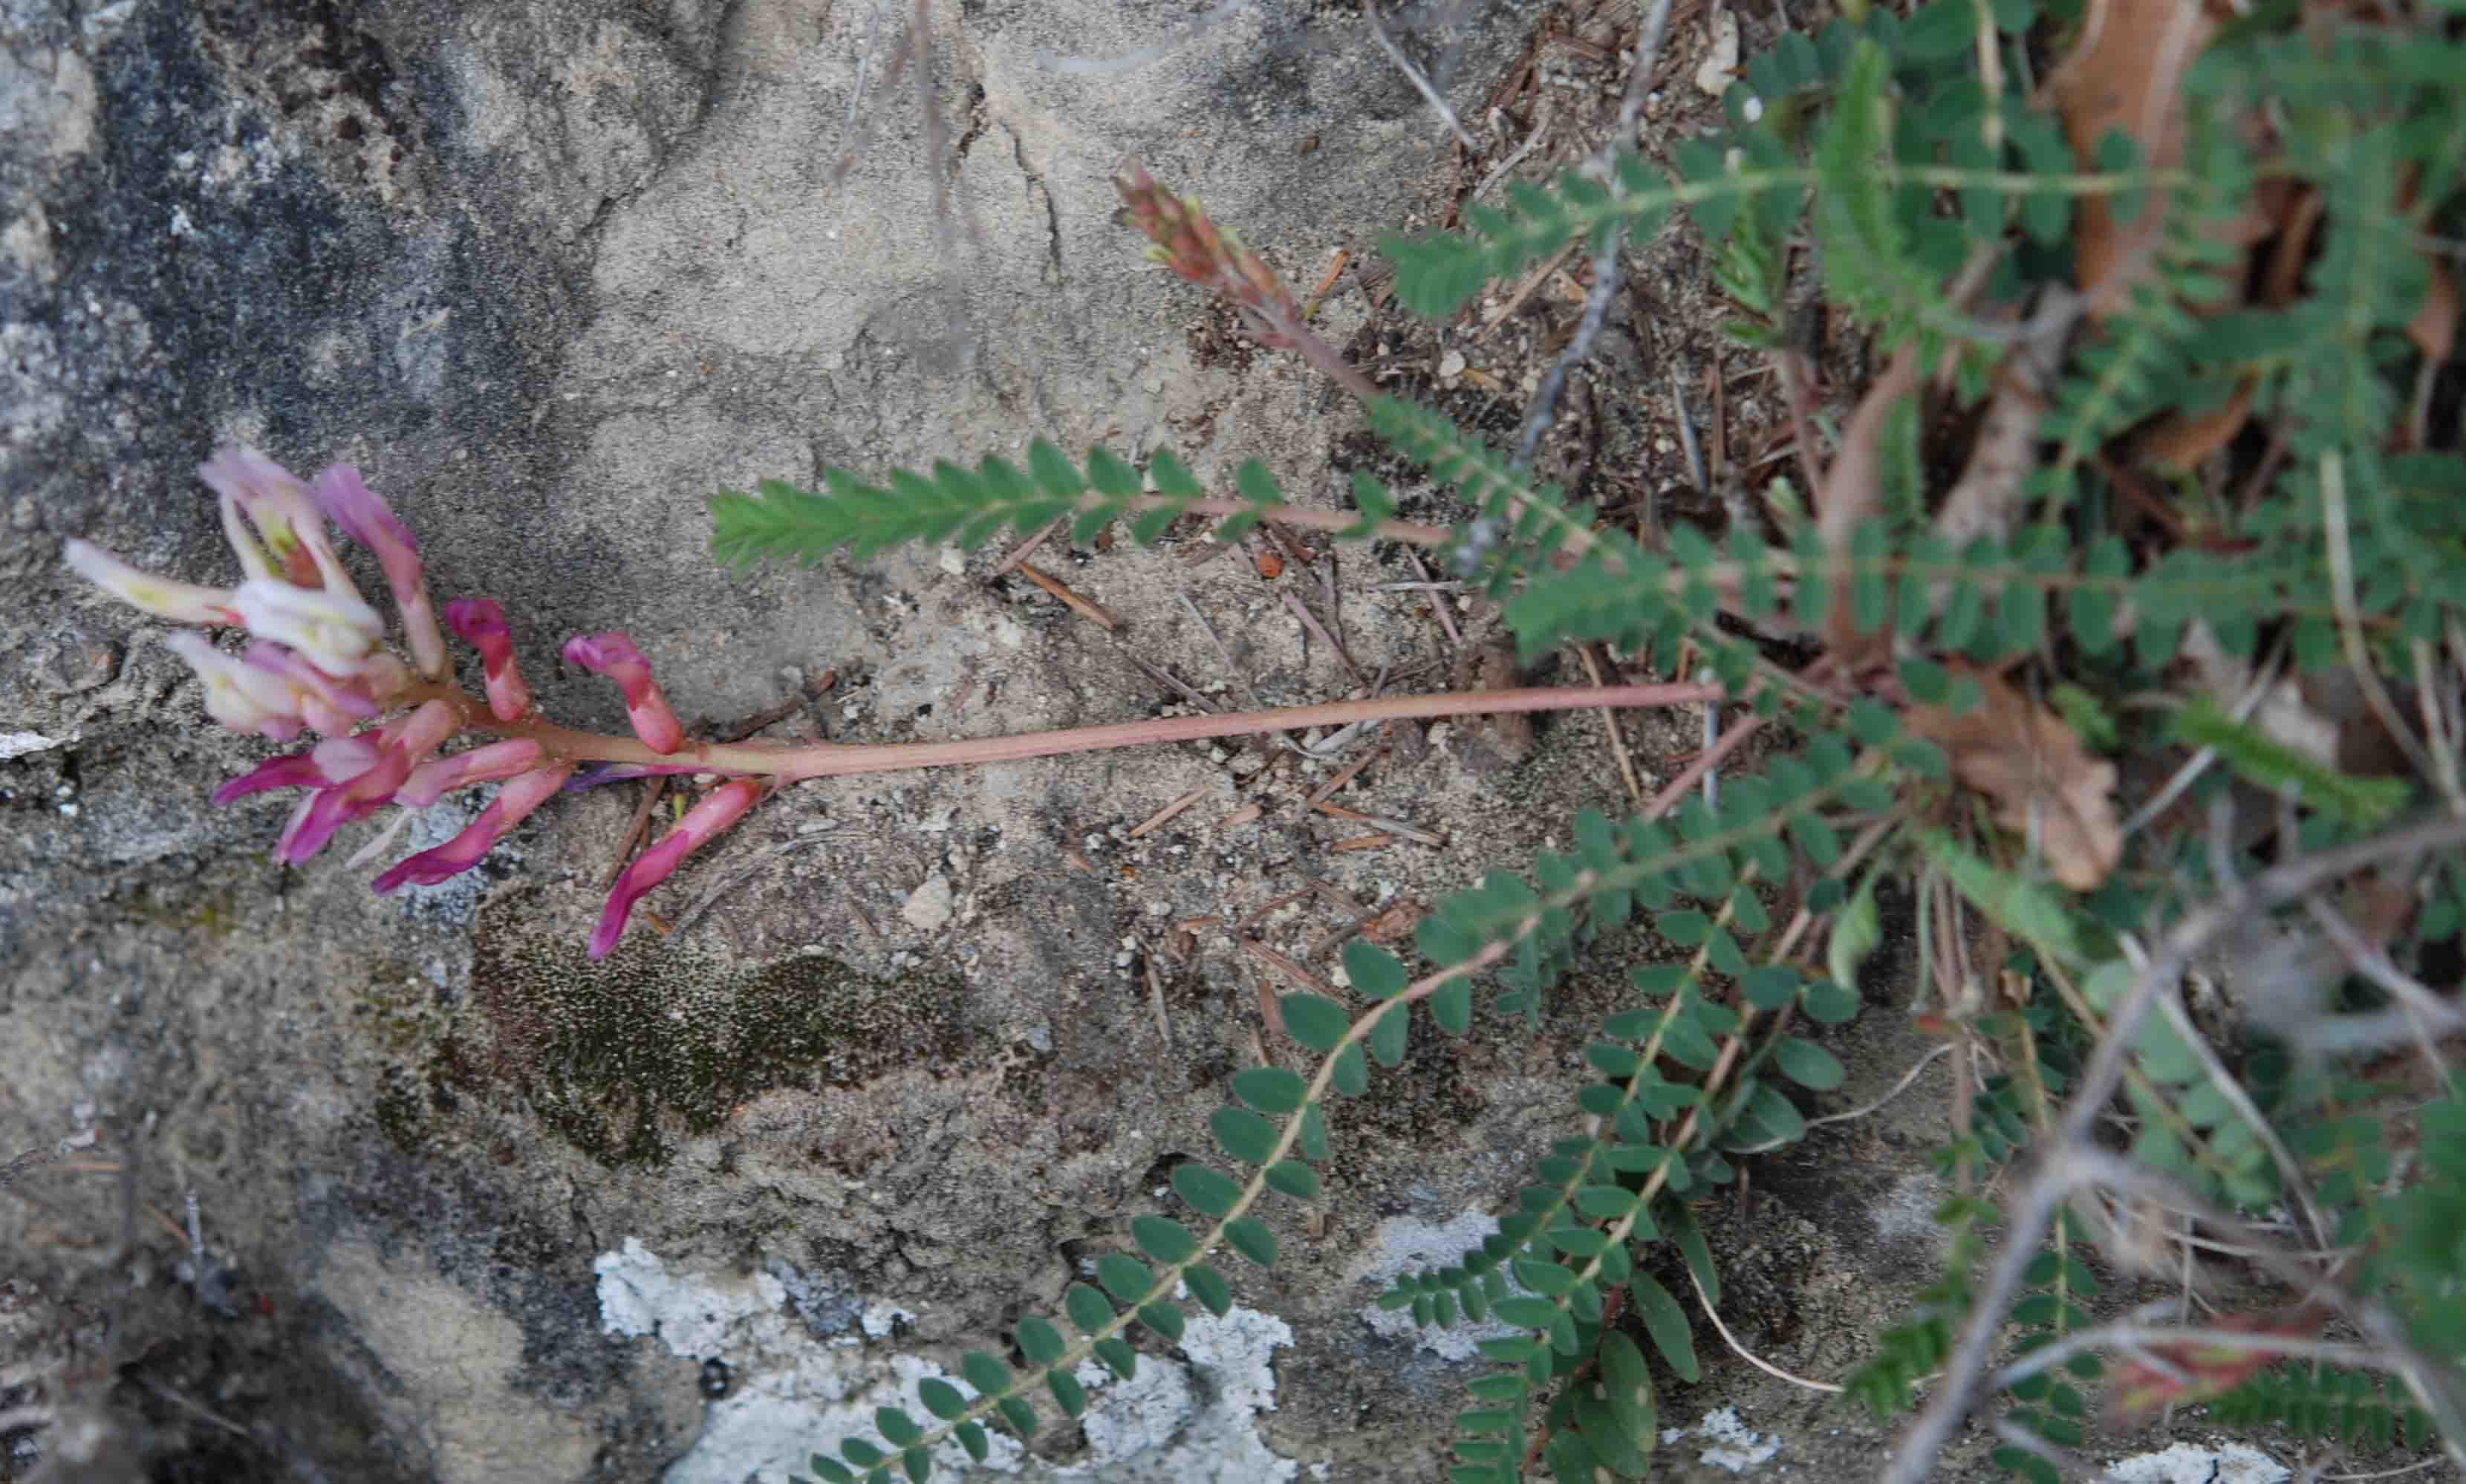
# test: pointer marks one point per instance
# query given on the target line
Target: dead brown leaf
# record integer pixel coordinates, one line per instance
(2039, 778)
(2434, 329)
(2126, 74)
(1852, 495)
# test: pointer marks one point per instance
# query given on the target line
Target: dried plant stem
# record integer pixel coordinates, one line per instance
(2072, 1161)
(822, 760)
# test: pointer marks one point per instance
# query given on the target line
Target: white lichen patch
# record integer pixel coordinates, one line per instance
(2189, 1463)
(1732, 1443)
(794, 1392)
(1404, 1244)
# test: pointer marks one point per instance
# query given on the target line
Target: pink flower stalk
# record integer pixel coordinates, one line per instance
(479, 622)
(368, 521)
(719, 809)
(615, 656)
(433, 781)
(523, 793)
(400, 745)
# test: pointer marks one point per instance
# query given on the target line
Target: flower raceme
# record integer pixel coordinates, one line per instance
(316, 662)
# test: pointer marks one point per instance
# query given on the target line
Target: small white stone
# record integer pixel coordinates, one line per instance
(954, 561)
(927, 908)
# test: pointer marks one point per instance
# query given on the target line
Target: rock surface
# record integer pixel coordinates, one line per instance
(548, 272)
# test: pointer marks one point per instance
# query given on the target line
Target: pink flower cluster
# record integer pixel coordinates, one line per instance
(316, 662)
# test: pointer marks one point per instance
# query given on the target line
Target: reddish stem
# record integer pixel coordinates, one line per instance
(830, 759)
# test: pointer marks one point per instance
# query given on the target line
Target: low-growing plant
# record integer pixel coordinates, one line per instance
(2163, 430)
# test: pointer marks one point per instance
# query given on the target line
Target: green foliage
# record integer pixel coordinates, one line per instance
(968, 506)
(1889, 158)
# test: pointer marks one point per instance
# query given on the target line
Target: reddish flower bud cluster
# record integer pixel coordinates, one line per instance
(1211, 256)
(315, 661)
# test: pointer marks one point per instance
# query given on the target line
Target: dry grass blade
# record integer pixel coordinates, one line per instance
(2043, 783)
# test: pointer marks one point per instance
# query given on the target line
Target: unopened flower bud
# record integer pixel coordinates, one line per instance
(615, 656)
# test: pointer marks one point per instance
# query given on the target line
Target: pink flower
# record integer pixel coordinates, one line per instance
(368, 521)
(432, 781)
(335, 632)
(401, 745)
(615, 656)
(722, 807)
(242, 696)
(479, 622)
(182, 602)
(335, 760)
(289, 545)
(526, 793)
(328, 705)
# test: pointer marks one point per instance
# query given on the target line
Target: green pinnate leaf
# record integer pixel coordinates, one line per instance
(1164, 1319)
(1163, 1239)
(1068, 1394)
(1209, 1288)
(1808, 1065)
(1388, 1033)
(1375, 973)
(1270, 1089)
(940, 1398)
(1206, 1190)
(1124, 1276)
(1315, 1022)
(989, 1376)
(1294, 1178)
(1087, 1308)
(1251, 1238)
(1038, 1340)
(1244, 1134)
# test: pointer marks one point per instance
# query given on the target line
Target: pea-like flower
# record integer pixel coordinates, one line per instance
(646, 708)
(479, 622)
(519, 796)
(368, 520)
(719, 808)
